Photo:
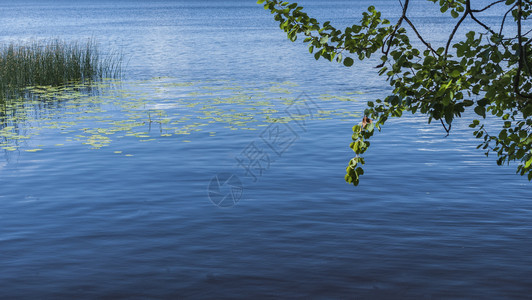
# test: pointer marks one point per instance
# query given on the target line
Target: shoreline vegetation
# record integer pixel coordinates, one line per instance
(53, 63)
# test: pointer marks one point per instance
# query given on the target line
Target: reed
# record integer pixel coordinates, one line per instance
(54, 63)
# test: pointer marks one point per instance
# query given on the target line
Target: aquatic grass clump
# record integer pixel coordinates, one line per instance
(54, 63)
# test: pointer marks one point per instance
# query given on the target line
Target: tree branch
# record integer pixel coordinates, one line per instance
(521, 52)
(454, 32)
(468, 9)
(482, 24)
(483, 9)
(392, 35)
(448, 130)
(420, 37)
(504, 18)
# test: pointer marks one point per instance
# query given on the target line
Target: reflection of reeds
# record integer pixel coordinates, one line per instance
(53, 63)
(28, 110)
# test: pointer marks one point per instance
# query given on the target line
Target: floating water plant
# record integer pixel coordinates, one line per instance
(100, 113)
(53, 63)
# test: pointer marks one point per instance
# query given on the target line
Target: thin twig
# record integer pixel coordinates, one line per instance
(454, 31)
(448, 130)
(521, 52)
(420, 37)
(504, 18)
(494, 3)
(389, 38)
(482, 24)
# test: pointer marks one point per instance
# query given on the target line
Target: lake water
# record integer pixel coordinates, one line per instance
(215, 169)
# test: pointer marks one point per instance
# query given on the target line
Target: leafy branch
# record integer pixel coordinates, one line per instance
(486, 72)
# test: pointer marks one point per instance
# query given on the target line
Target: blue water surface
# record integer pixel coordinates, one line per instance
(142, 217)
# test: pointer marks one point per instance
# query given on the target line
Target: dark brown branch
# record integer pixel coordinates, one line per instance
(482, 24)
(483, 9)
(504, 18)
(525, 56)
(521, 52)
(470, 11)
(420, 37)
(448, 130)
(454, 32)
(389, 38)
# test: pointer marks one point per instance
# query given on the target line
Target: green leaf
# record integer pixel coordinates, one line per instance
(467, 103)
(454, 14)
(348, 62)
(528, 163)
(455, 73)
(481, 111)
(503, 135)
(360, 171)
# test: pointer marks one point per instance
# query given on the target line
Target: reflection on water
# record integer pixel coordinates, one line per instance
(95, 114)
(24, 113)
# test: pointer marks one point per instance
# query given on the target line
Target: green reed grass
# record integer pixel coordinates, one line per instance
(54, 63)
